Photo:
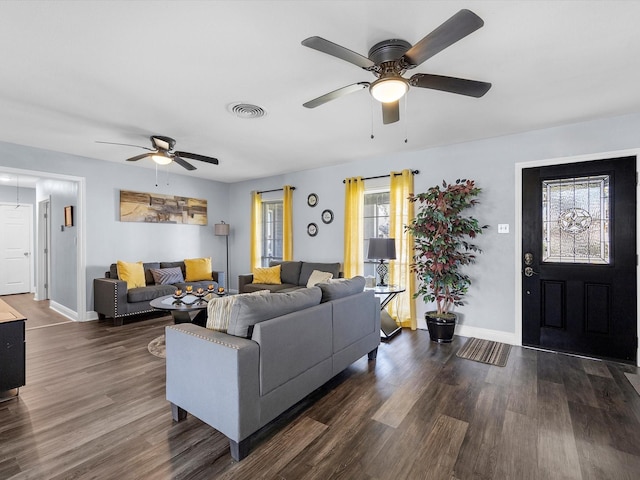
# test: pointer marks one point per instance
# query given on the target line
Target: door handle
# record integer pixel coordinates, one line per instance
(26, 254)
(528, 272)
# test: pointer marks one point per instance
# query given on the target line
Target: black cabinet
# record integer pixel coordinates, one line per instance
(12, 355)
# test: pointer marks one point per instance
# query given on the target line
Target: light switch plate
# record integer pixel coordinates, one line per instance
(503, 228)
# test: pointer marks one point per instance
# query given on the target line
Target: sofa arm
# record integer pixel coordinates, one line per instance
(109, 297)
(243, 280)
(214, 376)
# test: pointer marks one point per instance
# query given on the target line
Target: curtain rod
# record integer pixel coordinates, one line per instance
(275, 190)
(415, 172)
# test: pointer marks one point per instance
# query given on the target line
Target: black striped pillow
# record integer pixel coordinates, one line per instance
(167, 276)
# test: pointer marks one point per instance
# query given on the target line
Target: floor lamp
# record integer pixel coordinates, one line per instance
(222, 230)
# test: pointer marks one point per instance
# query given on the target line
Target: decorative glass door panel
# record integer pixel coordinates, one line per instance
(575, 220)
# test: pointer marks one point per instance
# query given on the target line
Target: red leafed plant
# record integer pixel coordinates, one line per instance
(441, 234)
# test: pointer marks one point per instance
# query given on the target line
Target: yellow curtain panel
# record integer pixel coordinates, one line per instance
(403, 309)
(353, 227)
(287, 227)
(256, 230)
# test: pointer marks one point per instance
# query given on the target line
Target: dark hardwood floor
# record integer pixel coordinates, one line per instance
(94, 407)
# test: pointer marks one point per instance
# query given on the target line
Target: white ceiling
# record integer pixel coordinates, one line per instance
(76, 72)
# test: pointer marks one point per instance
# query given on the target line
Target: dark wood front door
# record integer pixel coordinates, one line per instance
(579, 258)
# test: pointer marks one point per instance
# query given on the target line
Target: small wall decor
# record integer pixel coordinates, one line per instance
(157, 208)
(327, 216)
(312, 229)
(312, 200)
(68, 216)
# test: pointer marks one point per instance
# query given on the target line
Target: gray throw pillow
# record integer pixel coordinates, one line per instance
(167, 276)
(343, 287)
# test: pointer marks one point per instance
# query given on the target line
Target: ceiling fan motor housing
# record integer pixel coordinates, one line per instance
(162, 143)
(388, 51)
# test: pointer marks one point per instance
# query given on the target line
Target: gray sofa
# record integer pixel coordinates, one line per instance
(294, 275)
(277, 350)
(112, 299)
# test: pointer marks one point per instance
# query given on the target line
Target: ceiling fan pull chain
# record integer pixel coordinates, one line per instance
(371, 103)
(406, 120)
(156, 174)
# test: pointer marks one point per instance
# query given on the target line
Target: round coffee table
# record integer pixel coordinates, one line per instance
(183, 310)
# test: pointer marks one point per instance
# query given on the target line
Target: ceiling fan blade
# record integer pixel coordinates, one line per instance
(327, 97)
(456, 28)
(183, 163)
(127, 145)
(330, 48)
(195, 156)
(471, 88)
(390, 112)
(139, 157)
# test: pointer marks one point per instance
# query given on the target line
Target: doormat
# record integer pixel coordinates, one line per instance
(157, 347)
(485, 351)
(634, 379)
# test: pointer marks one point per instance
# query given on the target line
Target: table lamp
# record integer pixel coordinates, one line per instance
(382, 249)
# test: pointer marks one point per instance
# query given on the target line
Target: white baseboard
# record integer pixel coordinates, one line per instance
(486, 334)
(90, 316)
(64, 311)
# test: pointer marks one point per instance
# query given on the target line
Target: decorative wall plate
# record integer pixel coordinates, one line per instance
(312, 229)
(312, 200)
(327, 216)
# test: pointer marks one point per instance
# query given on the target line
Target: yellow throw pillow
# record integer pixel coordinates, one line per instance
(267, 276)
(132, 273)
(198, 269)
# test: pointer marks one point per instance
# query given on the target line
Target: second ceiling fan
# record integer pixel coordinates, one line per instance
(390, 59)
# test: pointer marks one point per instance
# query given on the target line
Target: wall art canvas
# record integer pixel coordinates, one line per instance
(157, 208)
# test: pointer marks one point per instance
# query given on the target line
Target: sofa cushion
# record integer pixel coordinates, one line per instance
(340, 288)
(146, 294)
(173, 264)
(166, 276)
(254, 287)
(268, 275)
(219, 309)
(318, 277)
(132, 273)
(198, 269)
(251, 309)
(289, 271)
(308, 268)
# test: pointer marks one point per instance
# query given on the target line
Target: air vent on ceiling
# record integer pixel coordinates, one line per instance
(246, 110)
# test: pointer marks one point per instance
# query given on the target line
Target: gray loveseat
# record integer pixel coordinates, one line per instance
(112, 299)
(278, 349)
(293, 274)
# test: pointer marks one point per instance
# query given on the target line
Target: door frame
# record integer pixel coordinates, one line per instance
(80, 215)
(29, 206)
(518, 225)
(44, 264)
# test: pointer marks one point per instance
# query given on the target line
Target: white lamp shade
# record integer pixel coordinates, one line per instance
(161, 159)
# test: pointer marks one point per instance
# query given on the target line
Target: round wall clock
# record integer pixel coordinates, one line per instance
(327, 216)
(312, 229)
(312, 200)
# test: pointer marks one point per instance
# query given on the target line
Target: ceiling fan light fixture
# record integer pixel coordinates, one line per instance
(389, 89)
(161, 158)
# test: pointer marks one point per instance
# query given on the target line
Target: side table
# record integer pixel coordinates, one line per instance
(388, 327)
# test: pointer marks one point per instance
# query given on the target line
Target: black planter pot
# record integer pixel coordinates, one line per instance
(440, 328)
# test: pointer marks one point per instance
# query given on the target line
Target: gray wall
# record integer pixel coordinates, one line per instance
(491, 162)
(491, 301)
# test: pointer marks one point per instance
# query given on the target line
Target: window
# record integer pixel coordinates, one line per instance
(272, 225)
(376, 222)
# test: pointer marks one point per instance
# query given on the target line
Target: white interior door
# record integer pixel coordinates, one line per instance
(15, 249)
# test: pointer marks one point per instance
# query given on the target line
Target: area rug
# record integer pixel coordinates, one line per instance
(157, 347)
(485, 351)
(634, 379)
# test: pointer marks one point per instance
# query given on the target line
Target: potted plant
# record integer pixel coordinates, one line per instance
(441, 234)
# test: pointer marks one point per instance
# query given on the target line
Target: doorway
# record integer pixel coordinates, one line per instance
(43, 247)
(16, 224)
(578, 258)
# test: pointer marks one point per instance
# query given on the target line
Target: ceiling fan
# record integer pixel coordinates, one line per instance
(162, 153)
(390, 59)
